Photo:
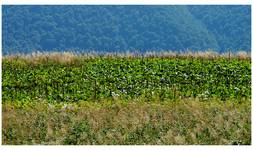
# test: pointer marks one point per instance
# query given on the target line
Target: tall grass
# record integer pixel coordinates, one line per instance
(188, 121)
(68, 57)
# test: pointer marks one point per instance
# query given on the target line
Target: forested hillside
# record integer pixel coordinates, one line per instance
(125, 28)
(229, 24)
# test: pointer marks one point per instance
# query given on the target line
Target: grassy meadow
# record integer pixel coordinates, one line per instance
(155, 98)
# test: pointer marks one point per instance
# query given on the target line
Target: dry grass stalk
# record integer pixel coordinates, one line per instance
(185, 122)
(69, 57)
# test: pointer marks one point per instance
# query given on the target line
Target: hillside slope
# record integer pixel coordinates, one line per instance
(229, 24)
(120, 28)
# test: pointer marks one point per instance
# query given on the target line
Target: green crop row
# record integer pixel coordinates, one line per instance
(124, 78)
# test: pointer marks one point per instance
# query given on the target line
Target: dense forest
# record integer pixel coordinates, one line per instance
(125, 28)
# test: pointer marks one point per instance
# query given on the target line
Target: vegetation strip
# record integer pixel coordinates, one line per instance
(183, 122)
(69, 99)
(124, 78)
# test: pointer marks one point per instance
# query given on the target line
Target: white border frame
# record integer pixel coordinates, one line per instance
(125, 2)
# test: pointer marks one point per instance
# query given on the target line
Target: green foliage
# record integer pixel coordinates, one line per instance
(10, 134)
(78, 134)
(125, 28)
(123, 78)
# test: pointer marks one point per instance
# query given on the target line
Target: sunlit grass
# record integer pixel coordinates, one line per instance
(69, 57)
(188, 121)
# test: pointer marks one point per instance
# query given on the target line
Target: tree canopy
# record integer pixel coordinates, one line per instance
(122, 28)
